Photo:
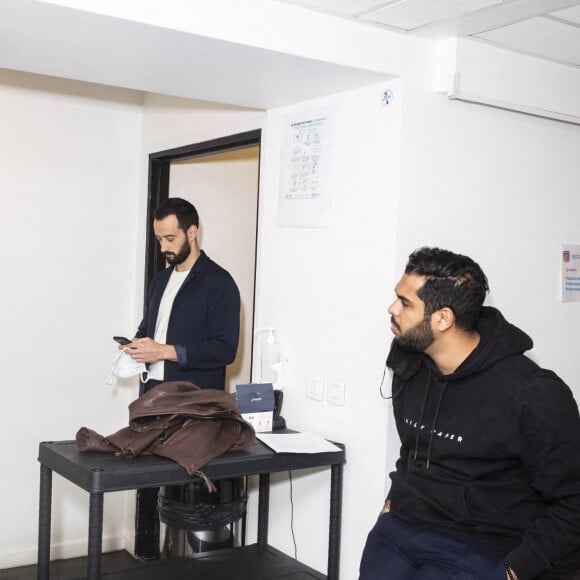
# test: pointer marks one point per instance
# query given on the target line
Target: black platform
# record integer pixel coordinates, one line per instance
(99, 473)
(250, 562)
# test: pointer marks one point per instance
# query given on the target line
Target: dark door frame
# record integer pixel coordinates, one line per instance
(146, 542)
(158, 187)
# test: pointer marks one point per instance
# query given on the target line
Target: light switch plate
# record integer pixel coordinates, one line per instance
(335, 391)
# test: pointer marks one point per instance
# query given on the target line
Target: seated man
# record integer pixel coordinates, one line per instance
(487, 484)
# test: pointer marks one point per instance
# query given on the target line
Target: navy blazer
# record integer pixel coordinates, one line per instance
(204, 324)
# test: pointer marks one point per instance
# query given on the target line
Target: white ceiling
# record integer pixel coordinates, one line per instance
(51, 39)
(549, 29)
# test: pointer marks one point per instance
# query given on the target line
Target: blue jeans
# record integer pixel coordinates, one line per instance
(396, 550)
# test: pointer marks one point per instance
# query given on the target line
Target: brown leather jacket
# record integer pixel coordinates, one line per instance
(180, 421)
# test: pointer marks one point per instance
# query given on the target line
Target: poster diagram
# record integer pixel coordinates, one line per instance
(305, 172)
(570, 273)
(305, 159)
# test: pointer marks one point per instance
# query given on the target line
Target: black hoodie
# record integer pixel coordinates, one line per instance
(491, 450)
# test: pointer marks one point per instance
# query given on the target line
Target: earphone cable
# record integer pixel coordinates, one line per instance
(382, 382)
(292, 516)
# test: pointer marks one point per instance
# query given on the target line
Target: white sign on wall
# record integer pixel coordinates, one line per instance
(305, 172)
(570, 273)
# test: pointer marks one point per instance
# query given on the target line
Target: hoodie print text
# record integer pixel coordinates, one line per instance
(451, 436)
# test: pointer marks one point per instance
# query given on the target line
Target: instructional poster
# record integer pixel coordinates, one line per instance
(305, 198)
(570, 273)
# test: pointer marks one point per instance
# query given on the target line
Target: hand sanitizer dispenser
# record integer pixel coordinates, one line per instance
(270, 370)
(270, 359)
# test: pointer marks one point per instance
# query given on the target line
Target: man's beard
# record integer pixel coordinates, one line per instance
(181, 256)
(418, 338)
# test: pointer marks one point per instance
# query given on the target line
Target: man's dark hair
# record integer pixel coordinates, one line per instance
(184, 211)
(453, 281)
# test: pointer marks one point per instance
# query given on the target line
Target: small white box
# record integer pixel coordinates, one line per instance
(256, 404)
(259, 421)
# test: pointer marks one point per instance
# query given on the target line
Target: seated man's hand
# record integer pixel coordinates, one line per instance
(387, 506)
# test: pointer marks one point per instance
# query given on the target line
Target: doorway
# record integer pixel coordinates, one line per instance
(220, 177)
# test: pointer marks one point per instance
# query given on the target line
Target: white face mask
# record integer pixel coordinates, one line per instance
(124, 367)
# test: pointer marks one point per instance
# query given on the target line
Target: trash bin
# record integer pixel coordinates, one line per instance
(199, 521)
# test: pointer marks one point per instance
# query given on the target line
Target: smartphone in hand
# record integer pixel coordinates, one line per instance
(121, 340)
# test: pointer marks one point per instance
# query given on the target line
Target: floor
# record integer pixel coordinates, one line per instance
(72, 569)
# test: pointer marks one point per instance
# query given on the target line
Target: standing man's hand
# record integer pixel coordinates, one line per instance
(146, 350)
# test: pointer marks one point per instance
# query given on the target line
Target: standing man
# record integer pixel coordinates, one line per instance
(189, 332)
(487, 485)
(191, 325)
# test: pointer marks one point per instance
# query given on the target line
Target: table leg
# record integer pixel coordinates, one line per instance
(95, 536)
(44, 517)
(335, 521)
(263, 508)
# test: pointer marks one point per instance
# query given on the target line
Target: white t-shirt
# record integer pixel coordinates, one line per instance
(156, 370)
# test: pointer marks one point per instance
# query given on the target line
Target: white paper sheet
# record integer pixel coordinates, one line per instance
(296, 442)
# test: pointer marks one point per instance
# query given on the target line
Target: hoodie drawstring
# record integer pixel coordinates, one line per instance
(435, 422)
(421, 417)
(433, 426)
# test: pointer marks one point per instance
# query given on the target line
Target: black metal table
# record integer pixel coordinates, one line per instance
(99, 473)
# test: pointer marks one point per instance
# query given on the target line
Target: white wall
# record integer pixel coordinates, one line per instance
(501, 187)
(325, 291)
(69, 186)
